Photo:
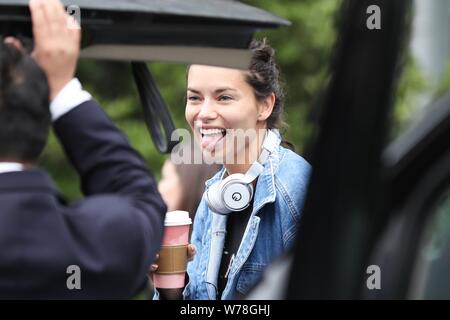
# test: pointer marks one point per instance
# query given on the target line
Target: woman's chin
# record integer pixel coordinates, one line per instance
(215, 155)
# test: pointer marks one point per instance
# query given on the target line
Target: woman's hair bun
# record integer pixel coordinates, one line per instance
(262, 50)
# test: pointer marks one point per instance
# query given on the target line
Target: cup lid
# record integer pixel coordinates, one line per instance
(177, 218)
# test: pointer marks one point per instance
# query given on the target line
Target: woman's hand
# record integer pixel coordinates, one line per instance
(172, 294)
(191, 254)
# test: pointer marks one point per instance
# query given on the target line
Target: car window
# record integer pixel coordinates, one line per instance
(431, 278)
(426, 66)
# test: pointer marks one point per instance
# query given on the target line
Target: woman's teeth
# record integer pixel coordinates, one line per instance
(212, 132)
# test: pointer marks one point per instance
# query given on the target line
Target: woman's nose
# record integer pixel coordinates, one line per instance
(207, 111)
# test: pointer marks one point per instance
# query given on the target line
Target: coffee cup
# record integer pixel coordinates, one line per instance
(172, 261)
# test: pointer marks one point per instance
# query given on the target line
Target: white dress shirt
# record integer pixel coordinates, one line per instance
(10, 167)
(71, 96)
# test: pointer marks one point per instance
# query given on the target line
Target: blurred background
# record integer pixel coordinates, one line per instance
(303, 52)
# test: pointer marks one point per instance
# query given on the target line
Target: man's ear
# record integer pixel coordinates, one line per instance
(14, 42)
(265, 107)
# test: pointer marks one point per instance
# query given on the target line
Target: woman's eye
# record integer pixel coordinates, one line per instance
(225, 98)
(193, 98)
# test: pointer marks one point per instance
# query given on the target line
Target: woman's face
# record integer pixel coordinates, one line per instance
(219, 99)
(170, 186)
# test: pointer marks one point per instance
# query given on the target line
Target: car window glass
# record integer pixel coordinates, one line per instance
(431, 279)
(426, 69)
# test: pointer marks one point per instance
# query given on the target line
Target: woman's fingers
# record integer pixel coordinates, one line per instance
(153, 267)
(191, 252)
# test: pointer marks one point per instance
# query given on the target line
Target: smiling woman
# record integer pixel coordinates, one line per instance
(224, 102)
(220, 101)
(250, 209)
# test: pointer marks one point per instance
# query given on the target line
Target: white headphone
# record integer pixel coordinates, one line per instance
(235, 192)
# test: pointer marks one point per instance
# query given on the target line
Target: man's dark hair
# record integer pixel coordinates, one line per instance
(24, 106)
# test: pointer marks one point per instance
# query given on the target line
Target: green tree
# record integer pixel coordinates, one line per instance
(303, 53)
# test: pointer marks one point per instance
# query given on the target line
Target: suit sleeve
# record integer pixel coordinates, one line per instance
(117, 230)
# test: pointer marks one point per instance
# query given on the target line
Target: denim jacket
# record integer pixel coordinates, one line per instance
(271, 230)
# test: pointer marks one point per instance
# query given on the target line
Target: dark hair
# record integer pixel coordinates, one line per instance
(264, 77)
(24, 105)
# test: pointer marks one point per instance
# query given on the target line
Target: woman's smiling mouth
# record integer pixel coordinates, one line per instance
(211, 136)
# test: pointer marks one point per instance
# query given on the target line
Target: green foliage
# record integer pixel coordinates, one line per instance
(411, 85)
(414, 92)
(444, 85)
(303, 52)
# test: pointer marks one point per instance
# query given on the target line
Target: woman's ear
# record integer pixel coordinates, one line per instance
(265, 107)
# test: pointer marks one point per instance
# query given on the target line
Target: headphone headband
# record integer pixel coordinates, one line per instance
(271, 141)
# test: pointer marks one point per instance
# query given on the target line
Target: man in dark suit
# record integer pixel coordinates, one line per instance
(102, 246)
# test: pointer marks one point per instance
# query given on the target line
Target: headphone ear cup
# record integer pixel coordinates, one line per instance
(214, 199)
(235, 193)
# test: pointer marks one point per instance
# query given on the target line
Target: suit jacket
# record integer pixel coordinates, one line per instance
(112, 235)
